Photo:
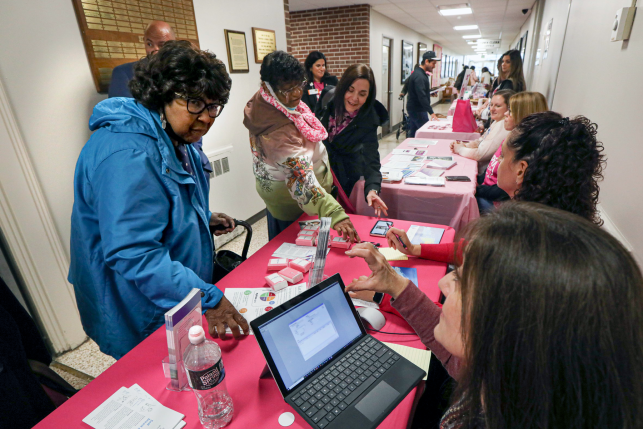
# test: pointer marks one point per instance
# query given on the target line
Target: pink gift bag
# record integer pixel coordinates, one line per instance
(463, 120)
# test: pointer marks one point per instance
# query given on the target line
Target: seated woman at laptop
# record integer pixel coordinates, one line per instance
(541, 323)
(547, 159)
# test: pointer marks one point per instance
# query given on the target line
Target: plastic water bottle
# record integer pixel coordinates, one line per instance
(206, 375)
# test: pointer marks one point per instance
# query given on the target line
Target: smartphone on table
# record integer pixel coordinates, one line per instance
(458, 178)
(380, 228)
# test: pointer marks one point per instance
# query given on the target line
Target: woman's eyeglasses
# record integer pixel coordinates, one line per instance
(196, 106)
(291, 91)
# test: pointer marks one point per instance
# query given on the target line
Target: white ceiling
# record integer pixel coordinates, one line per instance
(497, 19)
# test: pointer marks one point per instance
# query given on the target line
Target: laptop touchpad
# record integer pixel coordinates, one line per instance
(377, 400)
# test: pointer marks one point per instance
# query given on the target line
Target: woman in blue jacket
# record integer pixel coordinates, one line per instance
(140, 238)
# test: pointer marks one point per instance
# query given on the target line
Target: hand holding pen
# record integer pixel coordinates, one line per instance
(397, 239)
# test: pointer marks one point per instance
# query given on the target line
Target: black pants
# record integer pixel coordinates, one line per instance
(24, 402)
(416, 120)
(435, 400)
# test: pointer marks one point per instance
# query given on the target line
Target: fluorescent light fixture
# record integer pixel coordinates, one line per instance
(472, 36)
(465, 27)
(455, 9)
(471, 42)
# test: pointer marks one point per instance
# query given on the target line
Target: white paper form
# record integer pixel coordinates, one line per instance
(292, 251)
(402, 165)
(423, 142)
(253, 302)
(127, 409)
(401, 158)
(424, 234)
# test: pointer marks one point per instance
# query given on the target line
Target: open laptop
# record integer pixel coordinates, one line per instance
(327, 367)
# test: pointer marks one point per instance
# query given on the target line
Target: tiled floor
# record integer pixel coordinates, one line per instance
(87, 361)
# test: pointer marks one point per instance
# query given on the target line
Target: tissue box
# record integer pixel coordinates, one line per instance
(277, 264)
(292, 275)
(314, 228)
(340, 242)
(301, 265)
(276, 282)
(307, 233)
(305, 241)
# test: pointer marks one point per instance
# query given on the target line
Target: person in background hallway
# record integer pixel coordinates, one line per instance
(317, 78)
(156, 35)
(290, 163)
(485, 78)
(140, 225)
(460, 78)
(352, 140)
(419, 94)
(541, 326)
(473, 78)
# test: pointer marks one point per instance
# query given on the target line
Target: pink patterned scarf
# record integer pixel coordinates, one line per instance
(305, 121)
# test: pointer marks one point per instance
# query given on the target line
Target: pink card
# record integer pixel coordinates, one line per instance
(292, 275)
(340, 242)
(307, 233)
(301, 265)
(276, 282)
(305, 241)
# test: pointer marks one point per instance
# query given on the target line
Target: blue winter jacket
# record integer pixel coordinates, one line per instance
(140, 239)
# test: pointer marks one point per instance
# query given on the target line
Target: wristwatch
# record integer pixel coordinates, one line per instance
(378, 297)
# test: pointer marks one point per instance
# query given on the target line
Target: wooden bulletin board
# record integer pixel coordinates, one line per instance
(435, 79)
(264, 42)
(113, 30)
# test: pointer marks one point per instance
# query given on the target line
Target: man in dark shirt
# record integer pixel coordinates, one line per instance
(155, 36)
(418, 104)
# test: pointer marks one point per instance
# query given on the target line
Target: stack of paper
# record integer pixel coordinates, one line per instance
(178, 322)
(323, 240)
(392, 254)
(438, 163)
(292, 251)
(133, 408)
(423, 142)
(392, 176)
(430, 181)
(424, 234)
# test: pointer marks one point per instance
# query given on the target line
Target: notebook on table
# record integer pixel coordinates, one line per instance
(326, 366)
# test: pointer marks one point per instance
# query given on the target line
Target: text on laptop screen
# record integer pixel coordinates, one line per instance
(309, 334)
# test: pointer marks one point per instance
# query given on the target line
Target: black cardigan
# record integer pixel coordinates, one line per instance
(311, 99)
(354, 151)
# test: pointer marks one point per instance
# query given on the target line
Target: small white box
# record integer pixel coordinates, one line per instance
(276, 282)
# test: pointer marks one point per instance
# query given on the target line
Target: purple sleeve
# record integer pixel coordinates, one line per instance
(423, 316)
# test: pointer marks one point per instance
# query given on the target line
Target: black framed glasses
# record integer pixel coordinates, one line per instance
(288, 92)
(196, 106)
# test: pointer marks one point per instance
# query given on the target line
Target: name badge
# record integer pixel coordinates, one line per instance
(313, 92)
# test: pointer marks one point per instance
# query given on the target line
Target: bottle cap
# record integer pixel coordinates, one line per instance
(196, 334)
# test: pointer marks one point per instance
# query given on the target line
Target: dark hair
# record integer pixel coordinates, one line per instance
(551, 321)
(516, 76)
(484, 69)
(352, 73)
(179, 67)
(311, 59)
(280, 67)
(506, 94)
(465, 68)
(564, 162)
(473, 67)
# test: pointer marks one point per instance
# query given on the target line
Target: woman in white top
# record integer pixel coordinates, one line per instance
(483, 149)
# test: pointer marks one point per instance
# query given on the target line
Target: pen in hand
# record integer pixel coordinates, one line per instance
(400, 240)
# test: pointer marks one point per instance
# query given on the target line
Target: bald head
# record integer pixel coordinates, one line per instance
(156, 34)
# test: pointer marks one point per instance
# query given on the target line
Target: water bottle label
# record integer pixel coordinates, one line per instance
(208, 378)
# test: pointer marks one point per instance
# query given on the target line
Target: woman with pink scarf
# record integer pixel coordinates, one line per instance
(290, 163)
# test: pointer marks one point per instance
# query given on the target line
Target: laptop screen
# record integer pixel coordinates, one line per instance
(309, 334)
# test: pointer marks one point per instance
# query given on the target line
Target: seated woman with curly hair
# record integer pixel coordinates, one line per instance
(290, 162)
(547, 159)
(140, 237)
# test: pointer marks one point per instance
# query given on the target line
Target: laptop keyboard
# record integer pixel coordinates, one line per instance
(342, 383)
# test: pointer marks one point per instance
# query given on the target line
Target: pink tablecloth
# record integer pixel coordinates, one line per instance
(454, 204)
(442, 130)
(257, 402)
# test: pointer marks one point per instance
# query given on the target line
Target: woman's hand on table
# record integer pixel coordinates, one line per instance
(411, 249)
(377, 203)
(222, 219)
(456, 147)
(383, 277)
(346, 229)
(224, 314)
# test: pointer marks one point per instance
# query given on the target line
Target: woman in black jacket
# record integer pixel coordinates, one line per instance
(317, 78)
(351, 114)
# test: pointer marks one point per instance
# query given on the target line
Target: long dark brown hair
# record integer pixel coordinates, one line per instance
(352, 73)
(516, 75)
(552, 323)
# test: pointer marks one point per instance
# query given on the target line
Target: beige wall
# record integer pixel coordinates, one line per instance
(600, 79)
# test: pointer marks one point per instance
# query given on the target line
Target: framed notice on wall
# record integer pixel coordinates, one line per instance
(407, 60)
(235, 42)
(113, 30)
(435, 79)
(264, 42)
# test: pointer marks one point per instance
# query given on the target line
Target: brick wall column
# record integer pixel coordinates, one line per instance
(288, 30)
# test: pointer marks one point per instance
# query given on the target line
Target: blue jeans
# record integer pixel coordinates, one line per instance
(275, 226)
(416, 120)
(484, 205)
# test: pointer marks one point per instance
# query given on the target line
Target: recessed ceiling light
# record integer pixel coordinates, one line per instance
(465, 27)
(472, 36)
(455, 9)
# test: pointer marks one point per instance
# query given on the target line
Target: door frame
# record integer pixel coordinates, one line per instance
(386, 128)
